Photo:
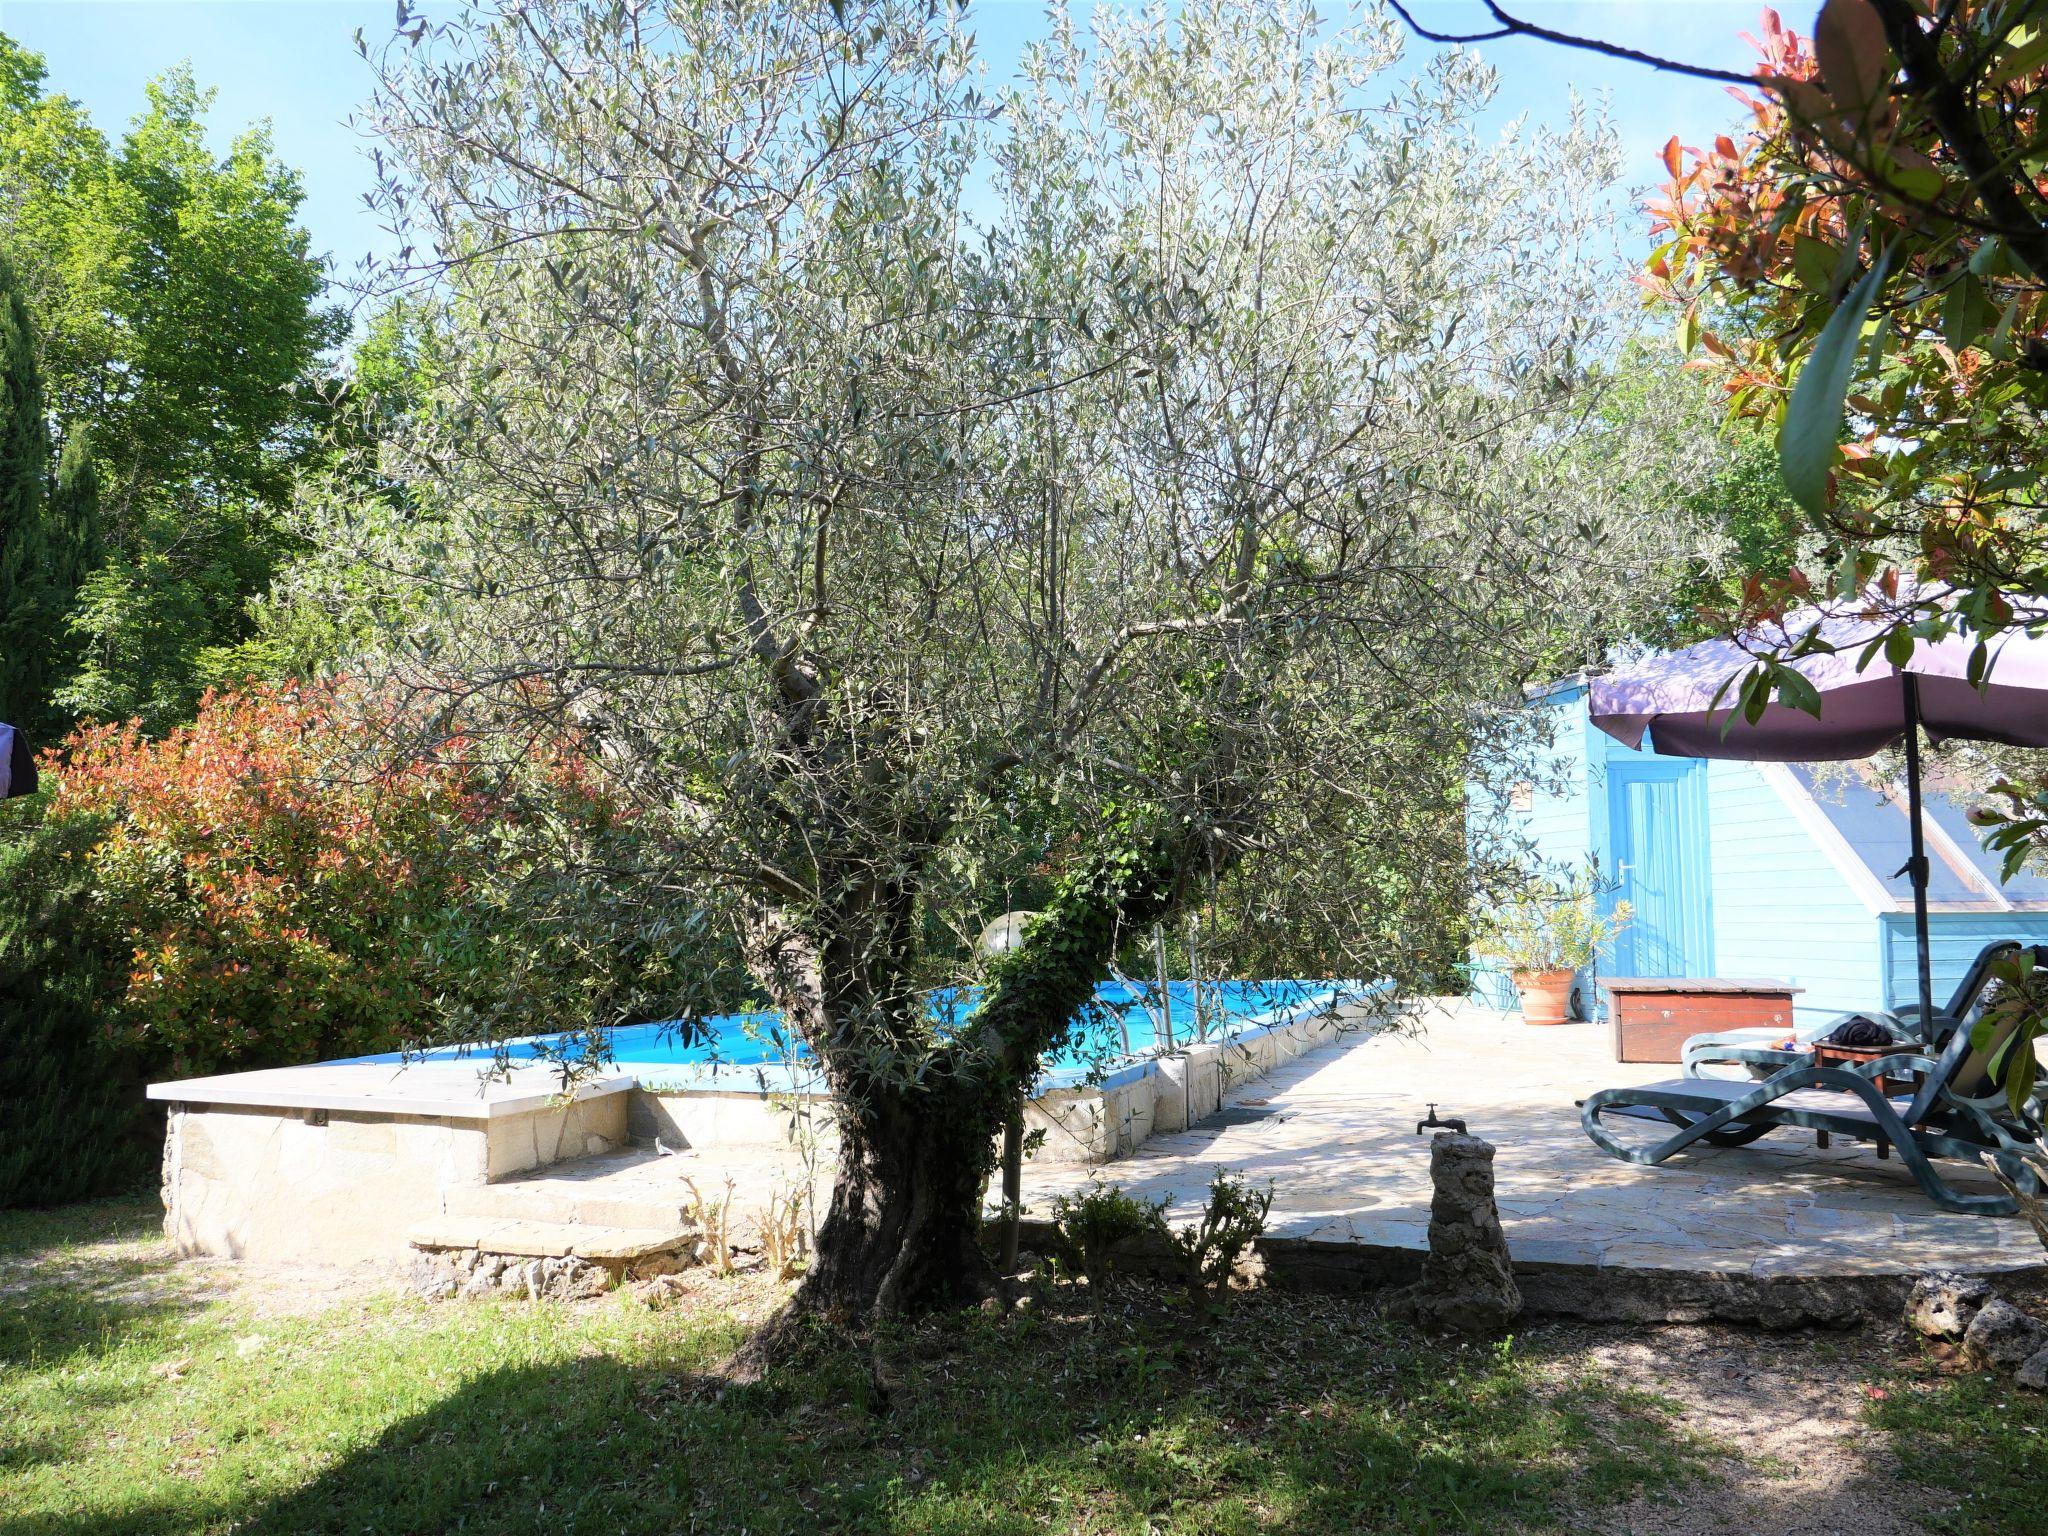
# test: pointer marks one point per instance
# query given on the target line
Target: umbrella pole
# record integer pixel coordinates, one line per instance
(1916, 867)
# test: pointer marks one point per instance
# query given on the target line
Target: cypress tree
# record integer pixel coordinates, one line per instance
(24, 467)
(72, 1119)
(73, 523)
(74, 549)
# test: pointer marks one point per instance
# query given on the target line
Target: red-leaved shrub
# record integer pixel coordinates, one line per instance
(284, 903)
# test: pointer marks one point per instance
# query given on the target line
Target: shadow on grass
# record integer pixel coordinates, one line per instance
(77, 1286)
(1290, 1414)
(1977, 1438)
(29, 1235)
(84, 1278)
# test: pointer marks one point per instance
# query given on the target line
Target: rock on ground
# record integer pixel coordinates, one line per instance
(464, 1273)
(2033, 1372)
(1943, 1303)
(2003, 1337)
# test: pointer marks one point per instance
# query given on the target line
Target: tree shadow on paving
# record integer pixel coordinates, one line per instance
(1288, 1414)
(1360, 1168)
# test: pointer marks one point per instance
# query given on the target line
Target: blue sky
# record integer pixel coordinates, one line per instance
(294, 63)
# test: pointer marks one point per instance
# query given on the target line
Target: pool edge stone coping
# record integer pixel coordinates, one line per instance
(450, 1090)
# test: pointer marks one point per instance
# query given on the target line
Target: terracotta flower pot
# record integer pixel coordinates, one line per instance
(1546, 996)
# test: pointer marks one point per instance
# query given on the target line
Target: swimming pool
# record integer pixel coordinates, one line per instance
(1124, 1023)
(341, 1159)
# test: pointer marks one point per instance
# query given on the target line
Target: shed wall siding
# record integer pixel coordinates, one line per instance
(1781, 908)
(1953, 941)
(1556, 823)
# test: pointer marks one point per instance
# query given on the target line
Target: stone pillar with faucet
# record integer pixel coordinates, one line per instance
(1468, 1281)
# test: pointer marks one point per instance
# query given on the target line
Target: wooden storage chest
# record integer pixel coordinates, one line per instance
(1649, 1017)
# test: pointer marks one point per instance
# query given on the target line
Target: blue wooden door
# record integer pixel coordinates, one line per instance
(1658, 830)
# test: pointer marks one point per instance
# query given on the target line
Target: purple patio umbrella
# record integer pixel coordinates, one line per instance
(17, 764)
(1687, 702)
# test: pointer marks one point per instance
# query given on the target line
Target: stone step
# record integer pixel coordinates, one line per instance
(598, 1244)
(568, 1200)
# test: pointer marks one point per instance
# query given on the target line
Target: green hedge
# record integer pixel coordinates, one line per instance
(73, 1122)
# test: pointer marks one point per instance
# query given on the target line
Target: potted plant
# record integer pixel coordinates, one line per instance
(1543, 934)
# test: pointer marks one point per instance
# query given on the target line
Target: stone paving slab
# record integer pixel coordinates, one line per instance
(580, 1195)
(547, 1240)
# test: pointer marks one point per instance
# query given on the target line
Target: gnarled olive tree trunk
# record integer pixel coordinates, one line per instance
(902, 1232)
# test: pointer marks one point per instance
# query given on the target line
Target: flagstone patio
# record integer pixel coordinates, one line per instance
(1335, 1132)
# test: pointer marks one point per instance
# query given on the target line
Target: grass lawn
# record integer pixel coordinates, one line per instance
(1978, 1437)
(131, 1399)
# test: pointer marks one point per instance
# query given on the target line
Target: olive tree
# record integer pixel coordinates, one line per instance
(1162, 457)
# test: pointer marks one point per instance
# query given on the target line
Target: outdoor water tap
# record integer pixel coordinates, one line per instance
(1434, 1124)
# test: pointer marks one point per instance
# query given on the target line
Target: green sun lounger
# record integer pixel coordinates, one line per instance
(1958, 1113)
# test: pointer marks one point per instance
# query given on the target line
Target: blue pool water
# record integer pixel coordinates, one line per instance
(1122, 1022)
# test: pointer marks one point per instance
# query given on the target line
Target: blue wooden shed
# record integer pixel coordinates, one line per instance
(1737, 869)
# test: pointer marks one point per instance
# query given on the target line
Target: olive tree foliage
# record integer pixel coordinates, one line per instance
(1374, 440)
(1152, 464)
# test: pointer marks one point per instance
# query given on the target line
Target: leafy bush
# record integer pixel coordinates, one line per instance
(72, 1120)
(1088, 1225)
(1549, 925)
(268, 908)
(244, 892)
(1231, 1222)
(282, 902)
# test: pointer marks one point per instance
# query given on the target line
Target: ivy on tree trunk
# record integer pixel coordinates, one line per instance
(902, 1231)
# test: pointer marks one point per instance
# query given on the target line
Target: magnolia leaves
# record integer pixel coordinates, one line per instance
(1843, 94)
(1855, 60)
(1856, 66)
(1813, 420)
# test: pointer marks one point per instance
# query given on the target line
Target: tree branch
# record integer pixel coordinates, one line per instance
(1948, 101)
(1514, 26)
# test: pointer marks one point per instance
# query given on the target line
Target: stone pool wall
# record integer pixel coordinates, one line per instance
(275, 1183)
(1100, 1122)
(724, 1117)
(1083, 1122)
(341, 1160)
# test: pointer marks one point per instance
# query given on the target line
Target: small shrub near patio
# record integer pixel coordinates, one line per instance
(1209, 1251)
(1088, 1226)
